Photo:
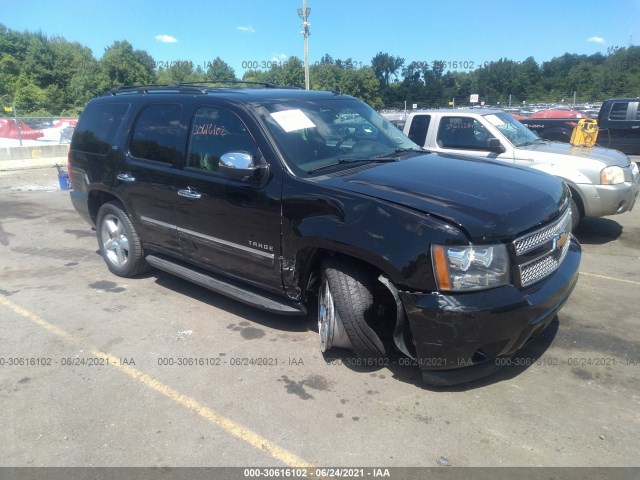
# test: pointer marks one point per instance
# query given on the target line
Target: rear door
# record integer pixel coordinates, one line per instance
(154, 150)
(227, 225)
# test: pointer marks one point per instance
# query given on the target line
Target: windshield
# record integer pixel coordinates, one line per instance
(318, 134)
(516, 133)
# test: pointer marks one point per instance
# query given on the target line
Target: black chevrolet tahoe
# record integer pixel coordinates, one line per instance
(284, 198)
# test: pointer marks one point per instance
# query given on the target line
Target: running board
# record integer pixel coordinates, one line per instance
(244, 294)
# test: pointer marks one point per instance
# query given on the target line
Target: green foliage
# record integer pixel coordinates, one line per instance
(122, 65)
(181, 71)
(362, 83)
(50, 75)
(220, 71)
(286, 74)
(384, 66)
(31, 98)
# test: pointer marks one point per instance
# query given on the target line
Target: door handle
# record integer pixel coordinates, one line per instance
(189, 193)
(126, 177)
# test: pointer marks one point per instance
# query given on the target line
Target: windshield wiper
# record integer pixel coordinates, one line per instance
(401, 150)
(530, 142)
(353, 160)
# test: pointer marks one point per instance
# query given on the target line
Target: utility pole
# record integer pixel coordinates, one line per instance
(304, 13)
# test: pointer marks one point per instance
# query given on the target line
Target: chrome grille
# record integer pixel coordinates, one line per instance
(548, 262)
(539, 269)
(539, 237)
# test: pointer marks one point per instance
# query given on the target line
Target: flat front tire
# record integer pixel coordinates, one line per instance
(345, 303)
(118, 241)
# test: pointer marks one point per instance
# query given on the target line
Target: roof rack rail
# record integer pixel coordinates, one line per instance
(198, 88)
(165, 87)
(232, 82)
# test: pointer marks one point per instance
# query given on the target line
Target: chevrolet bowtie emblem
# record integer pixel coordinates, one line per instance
(563, 240)
(560, 241)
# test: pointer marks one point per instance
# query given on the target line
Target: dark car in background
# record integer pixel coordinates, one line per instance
(619, 126)
(66, 134)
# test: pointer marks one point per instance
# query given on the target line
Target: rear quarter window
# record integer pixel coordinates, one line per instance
(618, 111)
(97, 127)
(418, 129)
(157, 134)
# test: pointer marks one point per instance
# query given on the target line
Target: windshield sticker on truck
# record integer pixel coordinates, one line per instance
(494, 120)
(291, 120)
(458, 126)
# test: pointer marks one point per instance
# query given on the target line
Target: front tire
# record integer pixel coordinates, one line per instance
(345, 303)
(575, 214)
(118, 241)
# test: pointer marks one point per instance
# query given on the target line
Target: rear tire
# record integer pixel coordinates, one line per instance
(351, 299)
(118, 241)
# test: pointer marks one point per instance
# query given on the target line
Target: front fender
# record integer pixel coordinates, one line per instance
(394, 239)
(569, 174)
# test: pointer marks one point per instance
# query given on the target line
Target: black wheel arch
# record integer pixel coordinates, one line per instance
(311, 264)
(135, 263)
(578, 199)
(96, 198)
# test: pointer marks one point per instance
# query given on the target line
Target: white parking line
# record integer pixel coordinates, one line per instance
(244, 434)
(587, 274)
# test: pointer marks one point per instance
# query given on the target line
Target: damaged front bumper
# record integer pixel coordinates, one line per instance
(461, 337)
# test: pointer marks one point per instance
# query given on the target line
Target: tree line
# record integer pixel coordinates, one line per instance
(46, 76)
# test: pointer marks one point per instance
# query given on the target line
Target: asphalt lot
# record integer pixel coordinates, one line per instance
(86, 375)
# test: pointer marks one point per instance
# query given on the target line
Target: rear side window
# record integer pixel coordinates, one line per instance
(97, 127)
(418, 129)
(157, 135)
(619, 111)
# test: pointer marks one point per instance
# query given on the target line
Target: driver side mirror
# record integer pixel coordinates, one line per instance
(240, 166)
(494, 145)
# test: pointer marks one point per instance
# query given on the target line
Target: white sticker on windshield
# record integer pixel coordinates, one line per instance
(494, 120)
(291, 120)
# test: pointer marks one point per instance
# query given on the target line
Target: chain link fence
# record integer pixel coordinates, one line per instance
(519, 104)
(36, 131)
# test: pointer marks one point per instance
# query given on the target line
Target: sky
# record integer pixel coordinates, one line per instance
(247, 33)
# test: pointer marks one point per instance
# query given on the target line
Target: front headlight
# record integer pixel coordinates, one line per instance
(611, 175)
(476, 267)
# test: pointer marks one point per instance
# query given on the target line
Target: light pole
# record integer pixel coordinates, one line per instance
(304, 13)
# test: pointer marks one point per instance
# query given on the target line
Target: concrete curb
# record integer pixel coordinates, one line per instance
(28, 164)
(33, 152)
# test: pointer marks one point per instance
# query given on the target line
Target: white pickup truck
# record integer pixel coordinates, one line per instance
(602, 181)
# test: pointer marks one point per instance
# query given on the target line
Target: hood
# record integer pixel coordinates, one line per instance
(484, 198)
(605, 155)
